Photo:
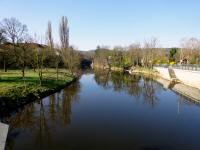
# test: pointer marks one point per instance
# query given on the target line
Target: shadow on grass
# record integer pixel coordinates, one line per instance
(18, 79)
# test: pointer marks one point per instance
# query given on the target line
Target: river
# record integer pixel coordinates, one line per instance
(105, 111)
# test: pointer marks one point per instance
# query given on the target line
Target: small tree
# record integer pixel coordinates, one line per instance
(2, 36)
(3, 51)
(173, 53)
(40, 56)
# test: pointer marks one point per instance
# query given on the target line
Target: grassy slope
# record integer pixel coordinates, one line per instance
(12, 85)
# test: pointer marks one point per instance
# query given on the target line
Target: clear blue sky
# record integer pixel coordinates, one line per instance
(110, 22)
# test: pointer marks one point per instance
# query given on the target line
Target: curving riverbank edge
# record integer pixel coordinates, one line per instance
(9, 105)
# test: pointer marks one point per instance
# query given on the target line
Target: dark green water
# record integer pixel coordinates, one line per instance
(107, 111)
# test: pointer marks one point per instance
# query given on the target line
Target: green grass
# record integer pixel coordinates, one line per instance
(13, 86)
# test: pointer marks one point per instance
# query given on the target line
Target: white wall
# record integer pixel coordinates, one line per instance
(164, 72)
(188, 77)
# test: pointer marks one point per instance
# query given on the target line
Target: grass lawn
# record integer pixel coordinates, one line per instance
(13, 86)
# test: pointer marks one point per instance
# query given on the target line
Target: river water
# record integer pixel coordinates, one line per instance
(107, 111)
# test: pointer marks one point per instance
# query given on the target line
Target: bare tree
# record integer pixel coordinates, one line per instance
(135, 53)
(190, 49)
(64, 40)
(14, 30)
(150, 48)
(64, 33)
(49, 36)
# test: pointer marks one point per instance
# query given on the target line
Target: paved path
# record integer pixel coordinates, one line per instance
(3, 135)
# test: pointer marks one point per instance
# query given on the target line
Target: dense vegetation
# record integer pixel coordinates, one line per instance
(147, 55)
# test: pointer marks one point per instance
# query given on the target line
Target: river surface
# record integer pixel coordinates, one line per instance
(107, 111)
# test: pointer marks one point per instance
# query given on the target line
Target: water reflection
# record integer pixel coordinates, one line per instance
(43, 117)
(134, 85)
(107, 110)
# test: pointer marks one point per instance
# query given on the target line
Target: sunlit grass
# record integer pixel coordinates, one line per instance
(13, 85)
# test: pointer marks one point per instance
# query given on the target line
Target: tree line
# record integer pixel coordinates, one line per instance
(148, 54)
(20, 50)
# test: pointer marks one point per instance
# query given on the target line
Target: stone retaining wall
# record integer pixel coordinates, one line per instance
(188, 77)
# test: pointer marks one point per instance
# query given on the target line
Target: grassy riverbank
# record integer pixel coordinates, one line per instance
(140, 70)
(12, 85)
(146, 71)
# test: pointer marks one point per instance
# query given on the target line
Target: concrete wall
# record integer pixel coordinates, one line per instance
(192, 93)
(188, 77)
(164, 72)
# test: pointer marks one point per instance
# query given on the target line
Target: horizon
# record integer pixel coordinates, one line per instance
(94, 23)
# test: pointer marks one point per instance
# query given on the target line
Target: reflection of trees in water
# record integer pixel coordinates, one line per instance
(52, 107)
(69, 94)
(183, 100)
(43, 134)
(117, 79)
(23, 119)
(135, 85)
(42, 118)
(102, 78)
(150, 89)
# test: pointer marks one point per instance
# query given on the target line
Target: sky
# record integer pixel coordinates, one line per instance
(110, 22)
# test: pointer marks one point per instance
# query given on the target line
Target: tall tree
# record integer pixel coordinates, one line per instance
(49, 36)
(64, 40)
(64, 33)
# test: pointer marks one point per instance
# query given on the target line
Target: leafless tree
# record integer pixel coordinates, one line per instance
(66, 52)
(64, 33)
(149, 50)
(49, 36)
(135, 53)
(15, 30)
(190, 49)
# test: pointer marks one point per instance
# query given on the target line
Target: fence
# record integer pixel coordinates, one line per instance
(193, 67)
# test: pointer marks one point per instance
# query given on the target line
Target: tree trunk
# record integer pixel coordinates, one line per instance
(4, 64)
(57, 71)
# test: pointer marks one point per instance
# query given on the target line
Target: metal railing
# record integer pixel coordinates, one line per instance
(193, 67)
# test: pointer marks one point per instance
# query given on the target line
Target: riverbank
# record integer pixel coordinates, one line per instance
(15, 92)
(188, 77)
(189, 90)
